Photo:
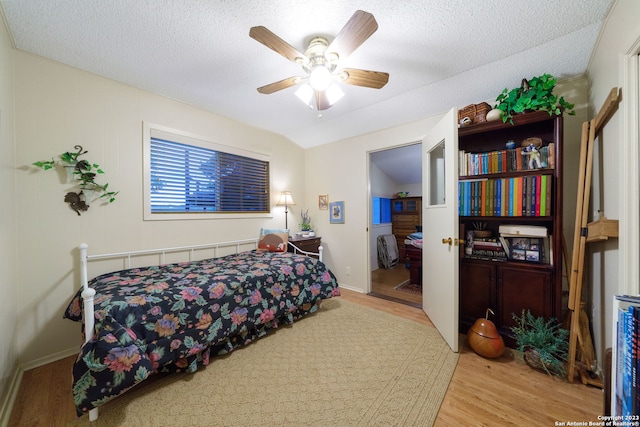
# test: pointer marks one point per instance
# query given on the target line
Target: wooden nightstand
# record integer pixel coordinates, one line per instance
(309, 244)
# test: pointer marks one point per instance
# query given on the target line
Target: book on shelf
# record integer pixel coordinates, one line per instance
(517, 230)
(501, 161)
(513, 196)
(627, 342)
(485, 248)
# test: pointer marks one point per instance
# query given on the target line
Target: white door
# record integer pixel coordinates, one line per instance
(440, 253)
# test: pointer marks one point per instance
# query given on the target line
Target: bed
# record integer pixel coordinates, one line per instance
(174, 317)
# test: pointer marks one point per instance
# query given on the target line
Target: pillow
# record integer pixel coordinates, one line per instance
(273, 240)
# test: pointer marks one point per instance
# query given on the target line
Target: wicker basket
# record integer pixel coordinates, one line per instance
(481, 112)
(476, 113)
(482, 233)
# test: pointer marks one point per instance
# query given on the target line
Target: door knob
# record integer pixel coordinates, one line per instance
(451, 241)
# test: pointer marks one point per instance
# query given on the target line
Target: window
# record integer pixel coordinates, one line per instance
(186, 175)
(381, 208)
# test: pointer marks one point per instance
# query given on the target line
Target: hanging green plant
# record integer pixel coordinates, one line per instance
(535, 94)
(84, 173)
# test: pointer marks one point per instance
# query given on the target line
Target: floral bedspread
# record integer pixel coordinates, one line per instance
(174, 317)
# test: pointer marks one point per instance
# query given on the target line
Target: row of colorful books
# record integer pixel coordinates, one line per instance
(627, 398)
(501, 161)
(517, 196)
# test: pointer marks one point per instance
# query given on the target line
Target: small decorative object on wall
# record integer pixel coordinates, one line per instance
(323, 202)
(336, 213)
(83, 173)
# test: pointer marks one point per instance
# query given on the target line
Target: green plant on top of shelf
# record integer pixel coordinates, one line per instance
(535, 94)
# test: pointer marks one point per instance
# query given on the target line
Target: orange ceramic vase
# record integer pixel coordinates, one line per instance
(484, 338)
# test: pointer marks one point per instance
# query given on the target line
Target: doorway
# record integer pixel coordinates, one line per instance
(392, 171)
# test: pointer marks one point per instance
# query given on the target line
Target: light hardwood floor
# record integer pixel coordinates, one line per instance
(384, 281)
(482, 392)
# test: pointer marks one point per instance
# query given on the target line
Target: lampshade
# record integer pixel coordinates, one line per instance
(305, 93)
(286, 199)
(334, 93)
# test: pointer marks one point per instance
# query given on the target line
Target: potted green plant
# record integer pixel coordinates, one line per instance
(305, 221)
(535, 94)
(542, 342)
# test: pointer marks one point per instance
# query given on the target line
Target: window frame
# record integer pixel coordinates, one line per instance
(373, 210)
(151, 130)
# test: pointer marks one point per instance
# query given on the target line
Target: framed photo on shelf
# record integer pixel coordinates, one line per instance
(525, 249)
(336, 213)
(323, 202)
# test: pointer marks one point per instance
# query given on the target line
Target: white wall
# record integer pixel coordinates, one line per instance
(8, 208)
(613, 266)
(58, 107)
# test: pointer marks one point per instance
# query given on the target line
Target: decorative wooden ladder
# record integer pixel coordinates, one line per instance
(579, 333)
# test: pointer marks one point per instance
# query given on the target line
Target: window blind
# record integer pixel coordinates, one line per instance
(191, 179)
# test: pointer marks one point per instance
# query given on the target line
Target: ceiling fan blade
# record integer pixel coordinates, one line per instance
(282, 84)
(275, 43)
(322, 101)
(366, 78)
(358, 29)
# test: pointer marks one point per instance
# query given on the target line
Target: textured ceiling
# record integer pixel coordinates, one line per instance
(438, 53)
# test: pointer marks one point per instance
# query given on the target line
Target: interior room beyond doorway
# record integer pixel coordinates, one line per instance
(392, 173)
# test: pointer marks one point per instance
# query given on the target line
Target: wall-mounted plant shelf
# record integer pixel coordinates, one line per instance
(82, 173)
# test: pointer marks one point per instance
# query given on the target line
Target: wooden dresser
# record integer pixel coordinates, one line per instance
(406, 214)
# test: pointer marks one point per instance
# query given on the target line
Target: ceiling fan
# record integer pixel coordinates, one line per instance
(320, 61)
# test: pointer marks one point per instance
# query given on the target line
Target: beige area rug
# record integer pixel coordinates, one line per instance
(346, 365)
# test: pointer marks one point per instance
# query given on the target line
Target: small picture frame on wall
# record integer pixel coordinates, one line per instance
(336, 212)
(323, 202)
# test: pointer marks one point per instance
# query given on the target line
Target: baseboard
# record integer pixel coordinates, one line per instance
(10, 400)
(349, 288)
(7, 405)
(50, 358)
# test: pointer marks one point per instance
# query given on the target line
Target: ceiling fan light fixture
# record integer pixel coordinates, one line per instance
(305, 94)
(320, 78)
(334, 94)
(320, 62)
